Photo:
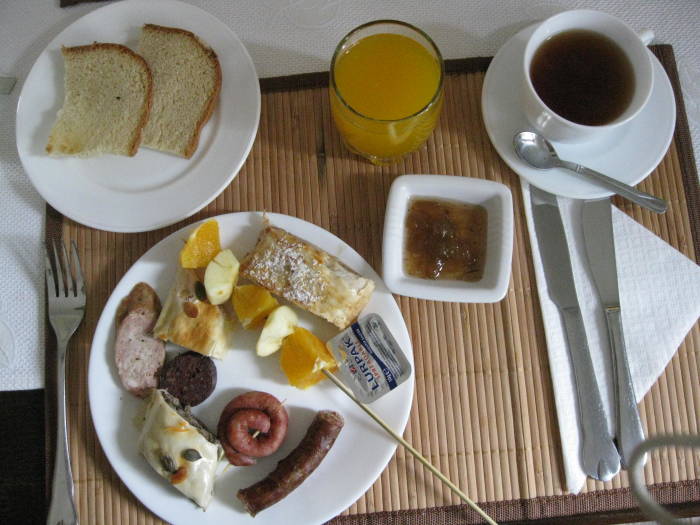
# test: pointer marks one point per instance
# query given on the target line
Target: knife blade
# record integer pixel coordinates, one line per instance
(600, 248)
(599, 457)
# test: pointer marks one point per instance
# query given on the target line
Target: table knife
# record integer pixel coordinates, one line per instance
(600, 247)
(599, 457)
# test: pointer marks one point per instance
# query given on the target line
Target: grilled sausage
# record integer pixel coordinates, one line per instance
(137, 354)
(252, 425)
(297, 466)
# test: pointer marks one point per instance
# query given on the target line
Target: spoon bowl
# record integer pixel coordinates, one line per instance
(534, 149)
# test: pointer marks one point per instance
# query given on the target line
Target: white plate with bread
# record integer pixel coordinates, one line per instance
(145, 131)
(362, 449)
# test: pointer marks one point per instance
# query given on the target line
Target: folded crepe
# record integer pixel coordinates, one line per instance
(190, 321)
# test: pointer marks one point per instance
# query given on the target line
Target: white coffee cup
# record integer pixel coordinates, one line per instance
(557, 128)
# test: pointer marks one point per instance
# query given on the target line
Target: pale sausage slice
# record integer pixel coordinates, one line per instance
(142, 295)
(138, 355)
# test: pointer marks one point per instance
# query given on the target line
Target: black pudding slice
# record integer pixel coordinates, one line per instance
(190, 377)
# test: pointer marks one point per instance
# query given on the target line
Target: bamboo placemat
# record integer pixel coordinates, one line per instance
(483, 410)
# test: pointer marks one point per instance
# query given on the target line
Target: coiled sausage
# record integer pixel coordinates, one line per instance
(252, 425)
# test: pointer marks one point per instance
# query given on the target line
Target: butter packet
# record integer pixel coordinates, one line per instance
(370, 361)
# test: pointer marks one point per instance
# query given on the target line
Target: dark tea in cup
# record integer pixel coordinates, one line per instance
(583, 76)
(584, 73)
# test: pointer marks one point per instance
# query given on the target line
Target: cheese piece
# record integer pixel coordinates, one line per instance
(179, 447)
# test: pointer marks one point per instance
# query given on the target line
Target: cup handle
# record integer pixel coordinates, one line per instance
(646, 36)
(636, 474)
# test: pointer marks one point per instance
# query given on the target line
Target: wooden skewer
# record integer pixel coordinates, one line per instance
(371, 413)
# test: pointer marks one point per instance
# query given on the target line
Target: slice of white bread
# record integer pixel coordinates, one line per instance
(186, 85)
(108, 90)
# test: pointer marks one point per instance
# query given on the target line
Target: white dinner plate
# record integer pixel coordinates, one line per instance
(152, 189)
(628, 153)
(361, 452)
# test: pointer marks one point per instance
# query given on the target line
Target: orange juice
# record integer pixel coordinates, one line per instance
(386, 94)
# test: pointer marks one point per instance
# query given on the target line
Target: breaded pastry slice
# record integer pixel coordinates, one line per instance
(307, 276)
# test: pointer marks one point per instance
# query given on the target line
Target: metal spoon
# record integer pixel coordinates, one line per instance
(539, 153)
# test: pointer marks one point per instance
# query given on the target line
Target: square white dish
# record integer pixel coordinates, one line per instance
(493, 196)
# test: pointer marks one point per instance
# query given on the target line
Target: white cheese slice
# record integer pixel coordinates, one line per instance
(165, 437)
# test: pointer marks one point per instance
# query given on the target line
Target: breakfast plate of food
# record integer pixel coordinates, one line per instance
(138, 114)
(206, 376)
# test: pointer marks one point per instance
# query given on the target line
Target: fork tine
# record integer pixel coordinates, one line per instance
(67, 270)
(60, 282)
(79, 283)
(58, 273)
(50, 280)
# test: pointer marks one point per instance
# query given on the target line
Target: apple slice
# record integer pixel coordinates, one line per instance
(221, 276)
(279, 325)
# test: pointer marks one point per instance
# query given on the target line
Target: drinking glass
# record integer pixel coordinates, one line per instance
(368, 132)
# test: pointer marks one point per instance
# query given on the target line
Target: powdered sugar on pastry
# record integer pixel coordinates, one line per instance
(307, 276)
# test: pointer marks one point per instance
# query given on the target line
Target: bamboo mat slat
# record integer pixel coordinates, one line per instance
(483, 410)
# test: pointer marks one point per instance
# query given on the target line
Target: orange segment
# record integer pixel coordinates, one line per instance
(303, 357)
(202, 246)
(252, 304)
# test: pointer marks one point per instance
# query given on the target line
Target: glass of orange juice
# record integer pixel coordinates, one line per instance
(386, 89)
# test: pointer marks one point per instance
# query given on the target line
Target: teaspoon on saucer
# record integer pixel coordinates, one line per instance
(539, 153)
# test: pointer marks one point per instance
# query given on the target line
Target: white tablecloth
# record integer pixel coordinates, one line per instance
(283, 37)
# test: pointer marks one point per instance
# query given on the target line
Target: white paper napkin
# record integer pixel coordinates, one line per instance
(659, 290)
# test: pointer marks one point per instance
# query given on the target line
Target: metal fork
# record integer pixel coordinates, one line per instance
(65, 290)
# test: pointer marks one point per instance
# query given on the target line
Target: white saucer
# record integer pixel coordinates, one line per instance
(628, 154)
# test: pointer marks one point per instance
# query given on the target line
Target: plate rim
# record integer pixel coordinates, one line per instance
(103, 324)
(191, 208)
